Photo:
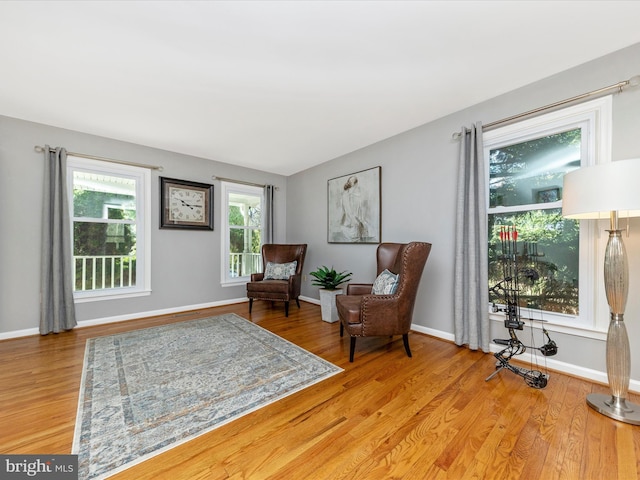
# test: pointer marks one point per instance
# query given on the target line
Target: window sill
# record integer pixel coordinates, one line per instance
(110, 296)
(578, 331)
(236, 282)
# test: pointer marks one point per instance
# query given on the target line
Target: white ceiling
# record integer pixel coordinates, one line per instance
(283, 86)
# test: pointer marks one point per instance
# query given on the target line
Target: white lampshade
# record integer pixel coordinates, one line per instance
(596, 191)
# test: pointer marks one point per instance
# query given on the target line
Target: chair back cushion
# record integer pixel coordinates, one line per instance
(388, 258)
(411, 260)
(284, 253)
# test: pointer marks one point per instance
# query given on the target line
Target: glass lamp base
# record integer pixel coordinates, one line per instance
(620, 410)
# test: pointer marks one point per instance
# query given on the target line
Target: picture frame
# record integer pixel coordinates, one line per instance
(547, 195)
(185, 204)
(354, 213)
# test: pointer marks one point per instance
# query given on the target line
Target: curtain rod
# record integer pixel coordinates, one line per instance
(40, 149)
(633, 81)
(241, 182)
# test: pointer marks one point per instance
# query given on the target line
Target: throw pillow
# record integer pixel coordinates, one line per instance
(280, 271)
(385, 284)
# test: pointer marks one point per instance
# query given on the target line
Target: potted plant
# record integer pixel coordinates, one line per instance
(328, 279)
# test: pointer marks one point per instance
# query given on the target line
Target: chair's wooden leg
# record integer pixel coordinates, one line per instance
(250, 304)
(405, 340)
(352, 349)
(298, 302)
(286, 309)
(341, 329)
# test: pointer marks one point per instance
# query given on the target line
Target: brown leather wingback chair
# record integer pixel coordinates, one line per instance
(363, 314)
(278, 290)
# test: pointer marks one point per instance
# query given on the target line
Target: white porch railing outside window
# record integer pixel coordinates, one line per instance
(102, 272)
(244, 264)
(118, 271)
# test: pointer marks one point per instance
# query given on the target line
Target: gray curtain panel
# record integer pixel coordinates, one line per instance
(57, 307)
(268, 214)
(471, 289)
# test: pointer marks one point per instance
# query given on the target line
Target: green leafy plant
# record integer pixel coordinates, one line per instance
(328, 278)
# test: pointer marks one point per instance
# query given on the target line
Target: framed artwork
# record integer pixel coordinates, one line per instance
(354, 209)
(185, 204)
(547, 195)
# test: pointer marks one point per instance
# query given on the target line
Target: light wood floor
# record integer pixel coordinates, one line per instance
(385, 417)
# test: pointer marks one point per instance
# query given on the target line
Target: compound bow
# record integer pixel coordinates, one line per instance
(509, 289)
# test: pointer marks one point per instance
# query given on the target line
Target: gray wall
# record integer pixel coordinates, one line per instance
(185, 265)
(419, 169)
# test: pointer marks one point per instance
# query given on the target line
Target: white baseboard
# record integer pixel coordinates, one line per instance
(124, 318)
(27, 332)
(568, 368)
(154, 313)
(433, 332)
(310, 300)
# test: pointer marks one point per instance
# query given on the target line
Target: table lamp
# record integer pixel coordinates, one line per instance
(610, 190)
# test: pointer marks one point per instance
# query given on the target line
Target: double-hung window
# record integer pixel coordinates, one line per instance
(110, 228)
(242, 222)
(526, 164)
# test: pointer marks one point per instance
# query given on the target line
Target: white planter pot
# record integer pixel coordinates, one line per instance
(328, 304)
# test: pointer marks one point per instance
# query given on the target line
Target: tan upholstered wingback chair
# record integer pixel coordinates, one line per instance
(363, 314)
(282, 288)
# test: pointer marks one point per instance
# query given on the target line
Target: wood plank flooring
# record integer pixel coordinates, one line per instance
(386, 416)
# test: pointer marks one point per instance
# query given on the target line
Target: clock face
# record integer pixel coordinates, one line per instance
(186, 205)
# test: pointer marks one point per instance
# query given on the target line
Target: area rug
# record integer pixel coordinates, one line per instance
(146, 391)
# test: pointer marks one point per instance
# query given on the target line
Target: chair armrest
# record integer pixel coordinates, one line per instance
(359, 288)
(380, 312)
(257, 277)
(295, 282)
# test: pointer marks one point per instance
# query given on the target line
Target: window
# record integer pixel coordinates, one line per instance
(110, 225)
(242, 236)
(526, 165)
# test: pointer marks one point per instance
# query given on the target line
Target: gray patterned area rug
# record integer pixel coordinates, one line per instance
(146, 391)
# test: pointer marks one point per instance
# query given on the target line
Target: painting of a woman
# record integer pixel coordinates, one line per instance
(354, 208)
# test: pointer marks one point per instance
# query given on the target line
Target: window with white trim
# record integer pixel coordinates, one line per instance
(109, 207)
(526, 162)
(242, 224)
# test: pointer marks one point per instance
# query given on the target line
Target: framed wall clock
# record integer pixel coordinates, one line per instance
(185, 204)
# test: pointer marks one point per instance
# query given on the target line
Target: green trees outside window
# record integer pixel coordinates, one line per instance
(244, 218)
(525, 192)
(104, 231)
